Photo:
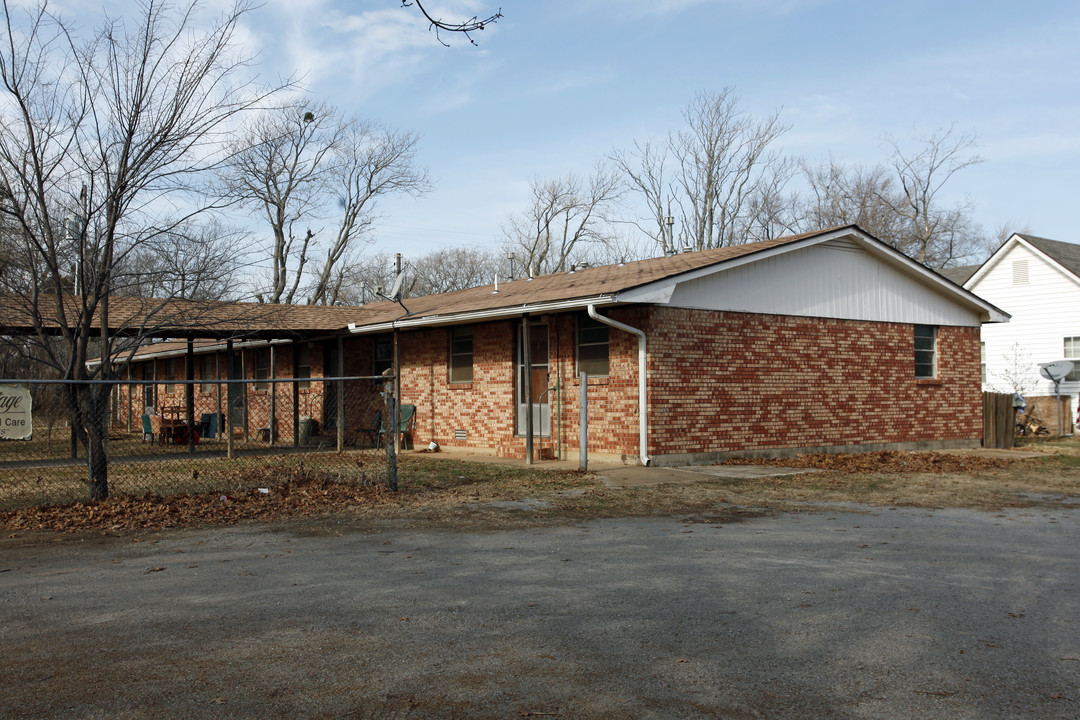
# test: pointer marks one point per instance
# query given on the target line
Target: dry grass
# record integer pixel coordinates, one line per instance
(440, 491)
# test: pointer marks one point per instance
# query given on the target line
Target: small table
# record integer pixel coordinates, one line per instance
(173, 423)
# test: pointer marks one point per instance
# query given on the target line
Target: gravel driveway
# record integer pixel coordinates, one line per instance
(878, 613)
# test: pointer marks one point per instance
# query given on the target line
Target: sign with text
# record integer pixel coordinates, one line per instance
(16, 422)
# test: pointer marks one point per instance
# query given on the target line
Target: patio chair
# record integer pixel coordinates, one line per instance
(406, 419)
(147, 428)
(157, 431)
(207, 425)
(372, 431)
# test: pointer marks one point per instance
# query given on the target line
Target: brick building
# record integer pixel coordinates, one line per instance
(828, 340)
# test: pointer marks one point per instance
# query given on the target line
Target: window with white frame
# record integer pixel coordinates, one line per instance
(1072, 352)
(461, 354)
(925, 351)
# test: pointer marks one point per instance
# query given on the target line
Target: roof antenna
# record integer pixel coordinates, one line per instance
(395, 293)
(669, 237)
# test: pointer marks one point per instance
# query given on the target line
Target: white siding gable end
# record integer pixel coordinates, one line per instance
(838, 278)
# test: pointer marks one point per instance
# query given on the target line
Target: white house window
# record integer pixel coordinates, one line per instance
(982, 360)
(925, 351)
(1072, 352)
(592, 347)
(461, 355)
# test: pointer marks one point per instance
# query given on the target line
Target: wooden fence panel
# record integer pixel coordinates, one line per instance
(999, 423)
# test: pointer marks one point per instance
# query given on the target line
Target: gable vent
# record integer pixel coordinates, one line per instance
(1020, 272)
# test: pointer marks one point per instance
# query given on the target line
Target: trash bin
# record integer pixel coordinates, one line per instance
(307, 428)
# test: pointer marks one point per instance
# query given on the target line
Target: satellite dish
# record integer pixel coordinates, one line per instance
(1057, 370)
(395, 293)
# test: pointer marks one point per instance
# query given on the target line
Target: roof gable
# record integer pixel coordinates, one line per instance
(1062, 255)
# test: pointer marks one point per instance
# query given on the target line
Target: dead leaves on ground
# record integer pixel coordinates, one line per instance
(294, 495)
(885, 461)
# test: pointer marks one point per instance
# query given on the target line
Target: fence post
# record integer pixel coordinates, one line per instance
(391, 452)
(583, 441)
(340, 394)
(230, 399)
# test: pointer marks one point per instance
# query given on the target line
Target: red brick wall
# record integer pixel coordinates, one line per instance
(483, 408)
(718, 382)
(724, 382)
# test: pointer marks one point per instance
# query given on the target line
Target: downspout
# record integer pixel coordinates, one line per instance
(643, 423)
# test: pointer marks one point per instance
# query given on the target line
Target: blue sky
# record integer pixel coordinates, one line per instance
(555, 85)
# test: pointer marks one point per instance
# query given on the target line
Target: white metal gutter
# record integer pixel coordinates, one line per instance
(643, 422)
(482, 315)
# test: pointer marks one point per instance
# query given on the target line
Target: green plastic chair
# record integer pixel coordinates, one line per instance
(407, 417)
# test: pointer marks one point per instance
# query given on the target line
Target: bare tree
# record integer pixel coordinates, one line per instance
(450, 269)
(371, 162)
(845, 195)
(464, 27)
(192, 262)
(720, 173)
(112, 133)
(899, 201)
(565, 215)
(304, 165)
(936, 234)
(439, 271)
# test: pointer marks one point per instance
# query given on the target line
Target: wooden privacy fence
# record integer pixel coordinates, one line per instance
(999, 422)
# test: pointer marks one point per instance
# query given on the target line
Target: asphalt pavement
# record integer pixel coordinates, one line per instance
(872, 613)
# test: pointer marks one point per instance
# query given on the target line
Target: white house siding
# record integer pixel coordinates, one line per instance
(1044, 311)
(836, 279)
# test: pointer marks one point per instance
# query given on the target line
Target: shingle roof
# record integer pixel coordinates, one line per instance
(1064, 253)
(566, 286)
(959, 275)
(185, 318)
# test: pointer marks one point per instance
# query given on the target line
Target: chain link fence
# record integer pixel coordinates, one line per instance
(82, 441)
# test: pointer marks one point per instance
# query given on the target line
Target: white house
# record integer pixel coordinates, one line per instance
(1037, 281)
